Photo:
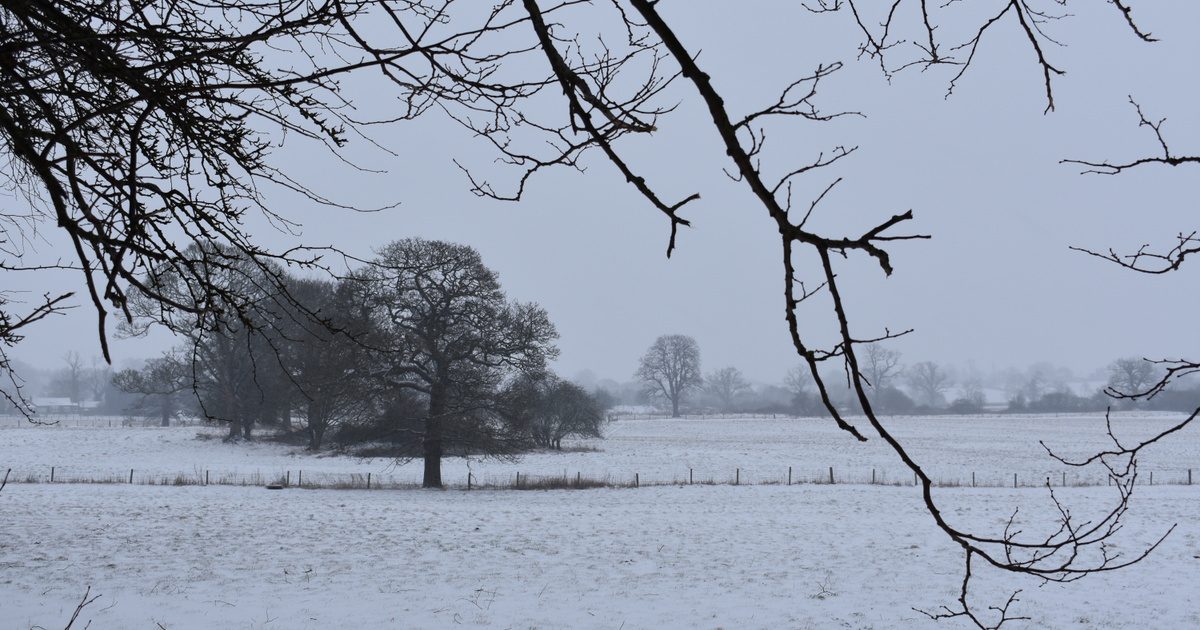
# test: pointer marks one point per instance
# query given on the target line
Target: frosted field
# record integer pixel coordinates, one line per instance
(950, 448)
(762, 556)
(665, 557)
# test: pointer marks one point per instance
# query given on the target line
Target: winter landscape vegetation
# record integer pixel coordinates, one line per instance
(598, 314)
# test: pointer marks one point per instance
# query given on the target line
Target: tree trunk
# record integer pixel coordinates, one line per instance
(229, 413)
(247, 426)
(675, 406)
(431, 442)
(315, 426)
(432, 448)
(316, 435)
(165, 409)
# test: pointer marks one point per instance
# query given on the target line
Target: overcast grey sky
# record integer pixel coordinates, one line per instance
(997, 284)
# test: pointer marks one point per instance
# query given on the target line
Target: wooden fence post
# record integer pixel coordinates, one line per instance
(130, 475)
(972, 478)
(872, 476)
(1014, 480)
(1152, 477)
(518, 479)
(789, 475)
(737, 476)
(689, 476)
(1064, 479)
(1189, 476)
(637, 483)
(578, 479)
(368, 481)
(468, 481)
(51, 474)
(831, 474)
(287, 479)
(206, 477)
(300, 479)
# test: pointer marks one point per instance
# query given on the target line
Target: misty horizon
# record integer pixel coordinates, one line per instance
(997, 283)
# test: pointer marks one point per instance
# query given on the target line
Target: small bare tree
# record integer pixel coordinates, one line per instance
(670, 369)
(1131, 375)
(551, 409)
(929, 383)
(160, 385)
(73, 377)
(881, 366)
(725, 385)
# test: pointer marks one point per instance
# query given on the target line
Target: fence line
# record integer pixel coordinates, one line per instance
(525, 481)
(654, 415)
(931, 415)
(99, 421)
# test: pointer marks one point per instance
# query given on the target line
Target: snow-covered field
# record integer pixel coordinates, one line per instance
(664, 557)
(757, 556)
(951, 448)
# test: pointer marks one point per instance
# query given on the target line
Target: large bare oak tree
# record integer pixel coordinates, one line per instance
(670, 369)
(449, 334)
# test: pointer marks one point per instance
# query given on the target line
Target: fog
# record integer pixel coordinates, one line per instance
(997, 285)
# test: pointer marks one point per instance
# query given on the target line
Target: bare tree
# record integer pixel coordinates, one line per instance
(671, 368)
(799, 382)
(141, 128)
(970, 398)
(450, 335)
(1148, 260)
(742, 137)
(726, 384)
(551, 409)
(160, 384)
(73, 377)
(1132, 383)
(1131, 375)
(99, 380)
(145, 132)
(881, 366)
(329, 366)
(12, 326)
(929, 383)
(232, 356)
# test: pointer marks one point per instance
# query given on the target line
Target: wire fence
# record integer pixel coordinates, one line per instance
(89, 421)
(657, 415)
(299, 478)
(941, 414)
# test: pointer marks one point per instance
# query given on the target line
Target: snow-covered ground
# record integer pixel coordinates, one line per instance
(663, 557)
(758, 556)
(951, 448)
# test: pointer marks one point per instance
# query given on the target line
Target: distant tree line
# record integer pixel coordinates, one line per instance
(669, 376)
(420, 351)
(78, 387)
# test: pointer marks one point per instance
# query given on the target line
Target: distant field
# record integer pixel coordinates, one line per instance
(660, 450)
